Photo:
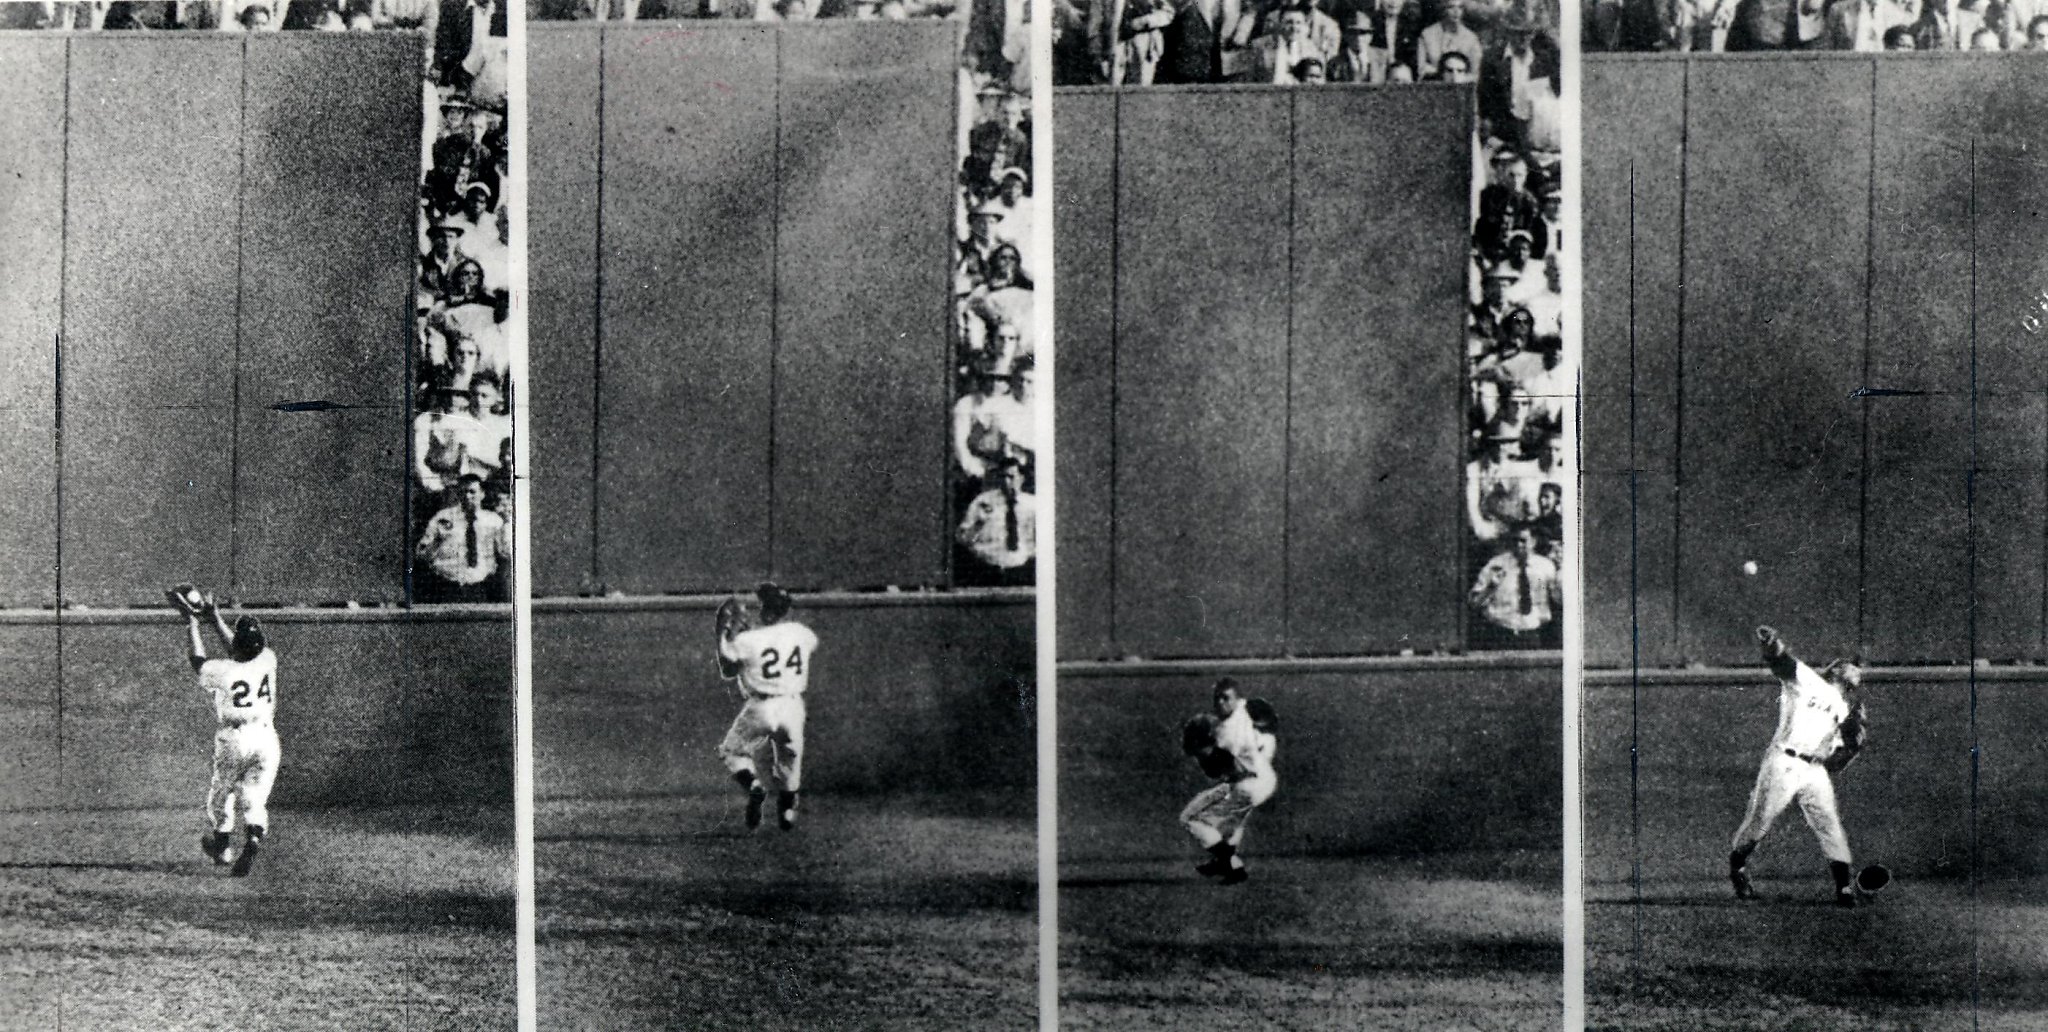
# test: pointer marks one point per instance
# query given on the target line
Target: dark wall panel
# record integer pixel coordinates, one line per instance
(863, 275)
(628, 702)
(688, 294)
(31, 271)
(1374, 446)
(331, 143)
(1778, 213)
(1634, 136)
(2010, 509)
(1629, 535)
(563, 187)
(1084, 235)
(150, 313)
(1202, 312)
(2012, 833)
(1369, 762)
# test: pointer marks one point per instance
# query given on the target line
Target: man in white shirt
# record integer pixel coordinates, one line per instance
(1448, 35)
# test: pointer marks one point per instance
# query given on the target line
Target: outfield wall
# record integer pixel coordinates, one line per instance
(200, 227)
(1751, 267)
(100, 710)
(741, 237)
(909, 695)
(1260, 373)
(1451, 762)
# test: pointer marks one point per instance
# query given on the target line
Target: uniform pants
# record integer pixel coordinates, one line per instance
(1220, 812)
(775, 721)
(245, 759)
(1779, 783)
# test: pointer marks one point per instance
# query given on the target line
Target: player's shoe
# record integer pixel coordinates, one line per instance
(215, 845)
(757, 797)
(786, 819)
(1740, 879)
(1845, 898)
(1236, 876)
(245, 859)
(1216, 868)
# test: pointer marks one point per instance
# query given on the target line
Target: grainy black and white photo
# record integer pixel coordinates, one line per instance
(254, 777)
(784, 468)
(1314, 442)
(1815, 457)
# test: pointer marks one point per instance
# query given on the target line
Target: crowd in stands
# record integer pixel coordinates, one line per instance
(1519, 403)
(463, 388)
(1856, 25)
(1508, 46)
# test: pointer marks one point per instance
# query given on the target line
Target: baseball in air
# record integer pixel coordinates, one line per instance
(1749, 568)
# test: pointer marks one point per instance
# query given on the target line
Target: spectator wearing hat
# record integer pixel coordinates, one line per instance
(1447, 35)
(981, 241)
(1492, 305)
(997, 143)
(1020, 217)
(438, 263)
(1358, 57)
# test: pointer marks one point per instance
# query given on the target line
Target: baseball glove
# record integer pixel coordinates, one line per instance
(1264, 716)
(1198, 735)
(185, 598)
(1218, 763)
(732, 618)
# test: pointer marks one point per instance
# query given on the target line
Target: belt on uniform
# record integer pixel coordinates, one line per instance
(1797, 755)
(228, 724)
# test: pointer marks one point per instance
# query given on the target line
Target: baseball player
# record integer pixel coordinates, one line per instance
(245, 749)
(772, 663)
(1235, 745)
(1820, 730)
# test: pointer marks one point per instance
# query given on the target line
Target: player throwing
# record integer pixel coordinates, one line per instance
(1820, 730)
(772, 663)
(245, 748)
(1234, 744)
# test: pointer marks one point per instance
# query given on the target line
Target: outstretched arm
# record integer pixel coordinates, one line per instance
(1776, 653)
(220, 623)
(198, 656)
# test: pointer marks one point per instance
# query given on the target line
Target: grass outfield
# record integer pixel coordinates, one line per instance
(1691, 957)
(1318, 942)
(397, 919)
(875, 913)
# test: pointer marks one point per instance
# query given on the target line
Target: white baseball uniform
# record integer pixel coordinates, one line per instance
(774, 669)
(245, 748)
(1811, 710)
(1220, 812)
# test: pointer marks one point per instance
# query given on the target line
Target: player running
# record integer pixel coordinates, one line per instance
(1820, 729)
(1235, 745)
(245, 748)
(773, 665)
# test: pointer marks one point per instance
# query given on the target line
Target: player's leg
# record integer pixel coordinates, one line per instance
(788, 743)
(220, 798)
(1817, 805)
(1769, 798)
(1233, 813)
(742, 741)
(252, 794)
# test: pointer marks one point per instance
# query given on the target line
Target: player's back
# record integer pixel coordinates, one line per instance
(243, 692)
(775, 659)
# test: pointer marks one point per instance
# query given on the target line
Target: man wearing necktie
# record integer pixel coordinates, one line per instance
(1275, 57)
(1517, 592)
(459, 556)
